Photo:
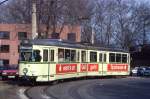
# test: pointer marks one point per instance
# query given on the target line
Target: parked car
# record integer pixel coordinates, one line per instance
(138, 71)
(146, 71)
(10, 72)
(1, 69)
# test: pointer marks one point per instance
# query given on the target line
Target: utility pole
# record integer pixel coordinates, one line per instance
(34, 20)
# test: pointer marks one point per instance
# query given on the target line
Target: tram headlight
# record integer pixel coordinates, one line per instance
(25, 70)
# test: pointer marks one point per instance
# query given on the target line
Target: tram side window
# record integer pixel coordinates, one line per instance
(100, 57)
(104, 58)
(118, 58)
(83, 55)
(60, 55)
(111, 57)
(45, 55)
(78, 56)
(67, 55)
(37, 55)
(124, 58)
(52, 55)
(73, 55)
(93, 56)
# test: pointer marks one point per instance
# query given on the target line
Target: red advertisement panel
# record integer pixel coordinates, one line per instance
(117, 67)
(83, 67)
(66, 68)
(92, 67)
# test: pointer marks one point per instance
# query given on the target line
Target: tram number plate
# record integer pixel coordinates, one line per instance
(117, 67)
(66, 68)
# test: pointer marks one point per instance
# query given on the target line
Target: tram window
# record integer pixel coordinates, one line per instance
(112, 57)
(36, 55)
(124, 58)
(100, 57)
(104, 58)
(60, 55)
(67, 55)
(73, 55)
(78, 56)
(83, 55)
(26, 56)
(118, 57)
(93, 56)
(52, 55)
(45, 55)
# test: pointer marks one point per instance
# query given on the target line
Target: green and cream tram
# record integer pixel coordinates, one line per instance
(49, 60)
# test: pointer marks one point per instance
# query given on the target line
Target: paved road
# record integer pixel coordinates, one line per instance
(127, 88)
(120, 88)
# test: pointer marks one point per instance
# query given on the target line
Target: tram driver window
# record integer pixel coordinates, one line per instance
(60, 55)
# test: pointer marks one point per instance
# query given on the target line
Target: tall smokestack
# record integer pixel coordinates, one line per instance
(34, 21)
(93, 35)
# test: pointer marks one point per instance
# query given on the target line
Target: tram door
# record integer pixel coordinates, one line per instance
(48, 59)
(102, 62)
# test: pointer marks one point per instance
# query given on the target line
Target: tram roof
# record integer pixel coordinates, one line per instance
(68, 44)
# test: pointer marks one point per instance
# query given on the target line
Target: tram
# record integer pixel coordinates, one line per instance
(44, 60)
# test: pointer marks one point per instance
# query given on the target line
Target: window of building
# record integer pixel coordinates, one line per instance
(111, 57)
(45, 55)
(83, 56)
(4, 48)
(4, 35)
(93, 56)
(55, 35)
(72, 37)
(22, 35)
(4, 62)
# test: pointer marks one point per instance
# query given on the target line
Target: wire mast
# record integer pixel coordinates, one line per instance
(34, 20)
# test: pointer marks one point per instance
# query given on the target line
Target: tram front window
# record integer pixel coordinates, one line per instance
(30, 56)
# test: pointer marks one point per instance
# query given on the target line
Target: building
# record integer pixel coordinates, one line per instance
(11, 34)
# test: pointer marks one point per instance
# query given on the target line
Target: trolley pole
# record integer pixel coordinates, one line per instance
(34, 20)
